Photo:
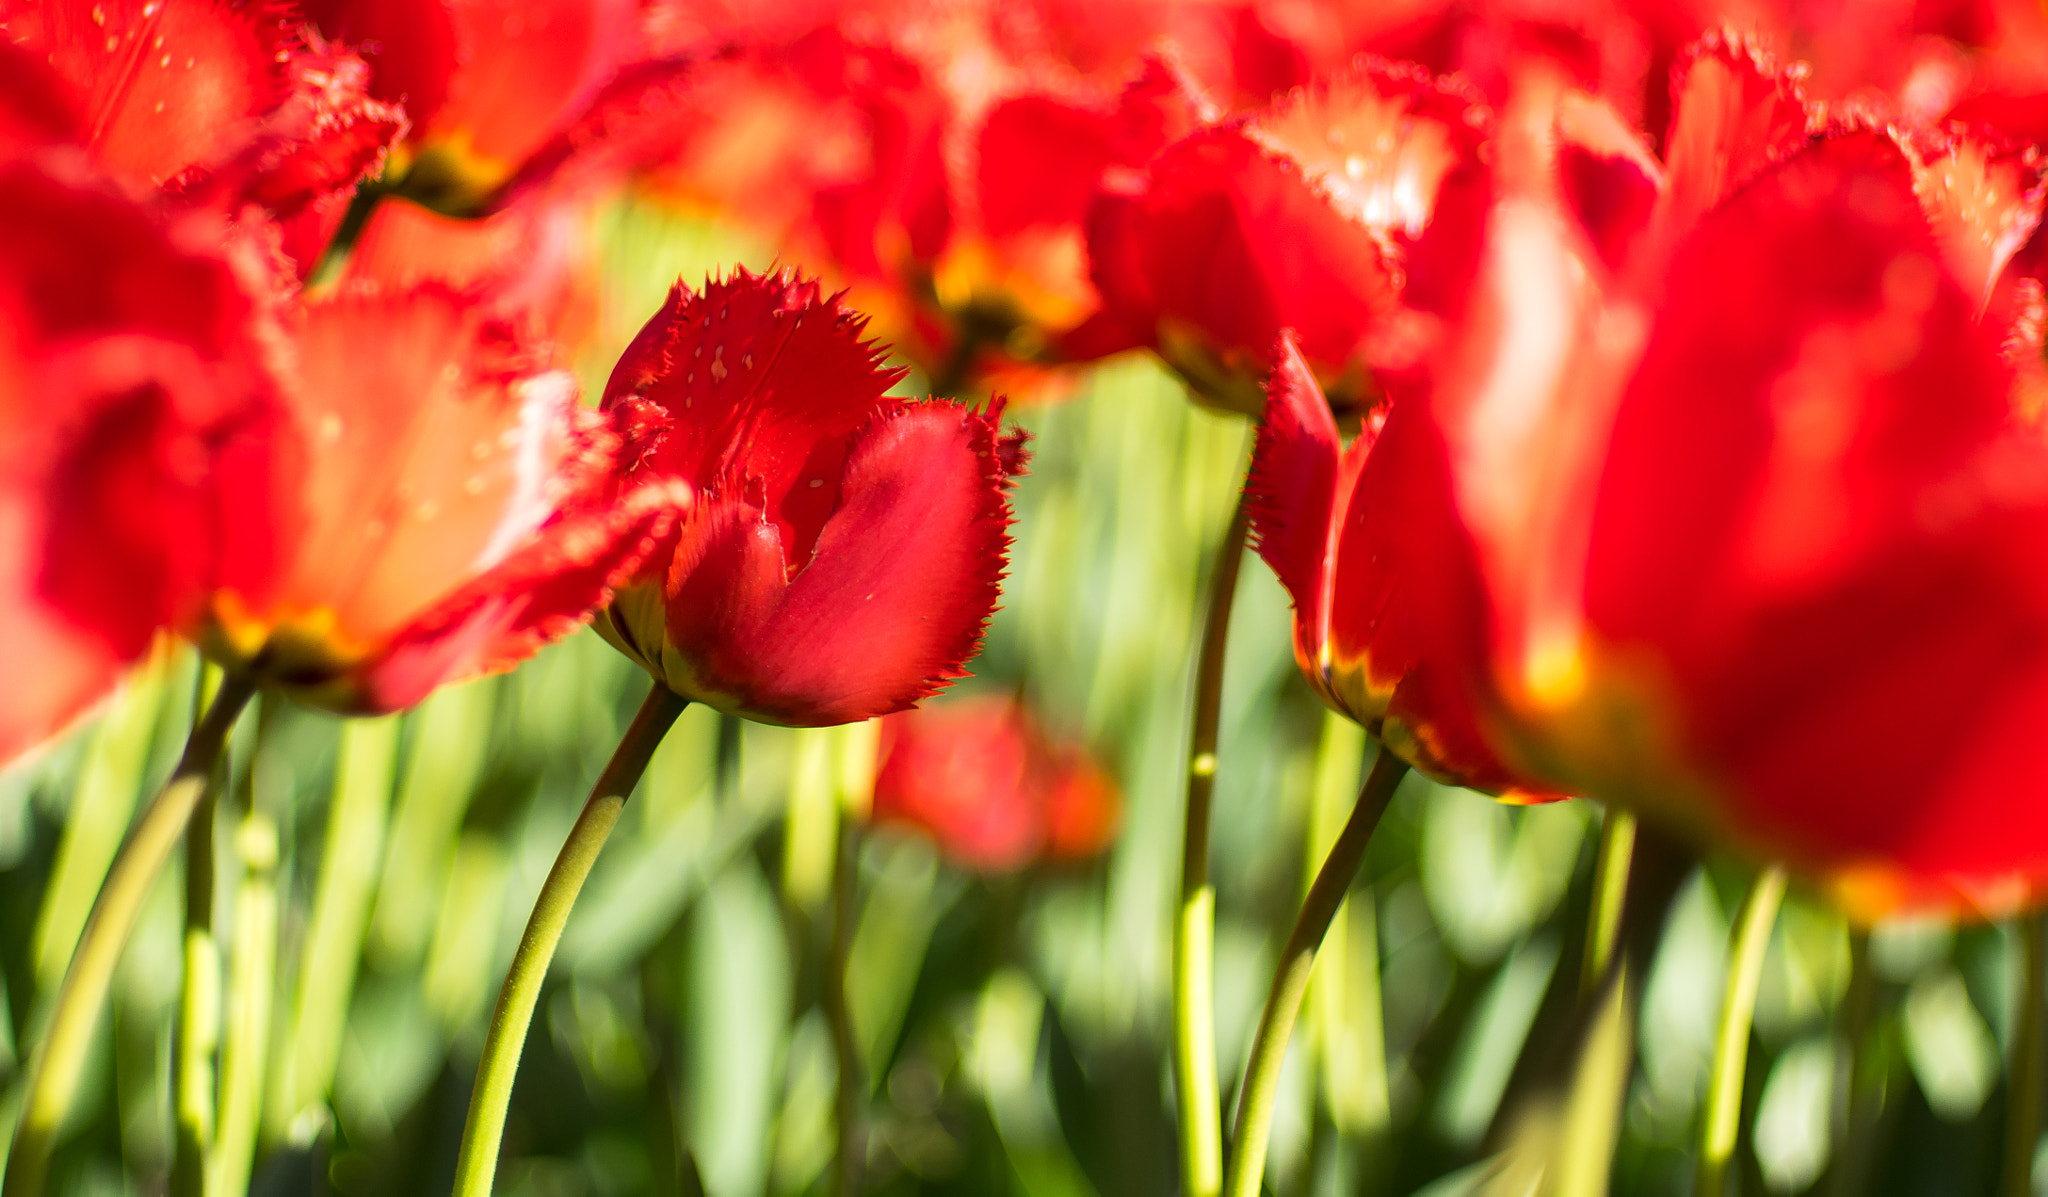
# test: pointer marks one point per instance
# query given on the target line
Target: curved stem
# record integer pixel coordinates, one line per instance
(1290, 980)
(495, 1072)
(2029, 1062)
(1731, 1041)
(60, 1056)
(1194, 924)
(850, 1144)
(1610, 886)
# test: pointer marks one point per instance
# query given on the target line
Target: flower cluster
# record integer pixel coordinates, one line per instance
(1648, 403)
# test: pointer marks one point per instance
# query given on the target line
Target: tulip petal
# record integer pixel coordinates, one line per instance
(441, 445)
(765, 379)
(129, 387)
(1290, 496)
(888, 607)
(1606, 174)
(326, 137)
(164, 85)
(1734, 112)
(539, 594)
(1840, 579)
(35, 104)
(1985, 202)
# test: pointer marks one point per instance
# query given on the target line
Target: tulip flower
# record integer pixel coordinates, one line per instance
(950, 203)
(1744, 447)
(996, 792)
(502, 96)
(845, 547)
(1311, 215)
(220, 104)
(438, 502)
(840, 556)
(133, 389)
(1388, 646)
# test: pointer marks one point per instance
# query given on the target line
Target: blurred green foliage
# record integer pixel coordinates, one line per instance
(372, 878)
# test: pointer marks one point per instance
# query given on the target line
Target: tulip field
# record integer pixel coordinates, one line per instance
(1132, 598)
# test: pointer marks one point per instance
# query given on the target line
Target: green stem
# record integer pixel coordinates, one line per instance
(1610, 886)
(1194, 925)
(1753, 925)
(1290, 980)
(492, 1096)
(849, 1148)
(252, 969)
(59, 1058)
(341, 910)
(192, 1075)
(2029, 1061)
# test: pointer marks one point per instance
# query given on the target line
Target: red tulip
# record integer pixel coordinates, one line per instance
(221, 104)
(1312, 216)
(503, 94)
(439, 502)
(133, 392)
(1387, 609)
(949, 200)
(845, 548)
(1752, 477)
(984, 780)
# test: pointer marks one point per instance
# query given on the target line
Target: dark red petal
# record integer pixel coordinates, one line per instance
(85, 260)
(1408, 614)
(1235, 245)
(539, 594)
(1734, 112)
(1606, 174)
(765, 378)
(1038, 159)
(36, 105)
(890, 604)
(1115, 224)
(327, 136)
(413, 47)
(1290, 496)
(131, 395)
(1839, 577)
(163, 85)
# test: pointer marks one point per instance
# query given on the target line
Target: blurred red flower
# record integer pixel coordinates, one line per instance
(942, 180)
(1746, 450)
(438, 501)
(211, 104)
(136, 408)
(1310, 215)
(845, 548)
(985, 780)
(503, 95)
(1380, 638)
